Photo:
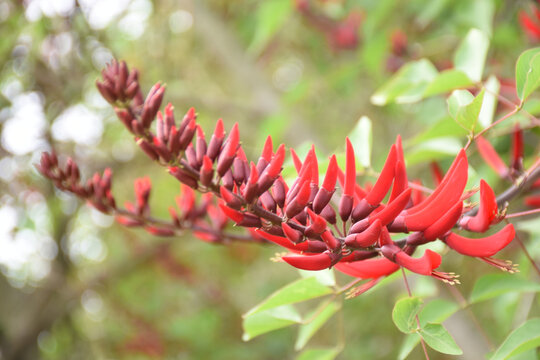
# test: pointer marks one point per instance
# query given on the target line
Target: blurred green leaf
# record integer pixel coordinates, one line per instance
(324, 277)
(438, 338)
(300, 290)
(446, 81)
(404, 314)
(465, 108)
(362, 138)
(524, 338)
(269, 320)
(493, 285)
(435, 311)
(319, 317)
(527, 73)
(270, 15)
(471, 55)
(407, 85)
(319, 354)
(433, 149)
(430, 11)
(443, 128)
(489, 105)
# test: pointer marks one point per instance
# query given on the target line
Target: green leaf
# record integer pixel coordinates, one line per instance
(435, 311)
(489, 105)
(465, 108)
(442, 128)
(446, 81)
(524, 338)
(457, 100)
(470, 56)
(408, 345)
(433, 149)
(407, 85)
(493, 285)
(404, 314)
(324, 277)
(269, 320)
(319, 354)
(300, 290)
(527, 73)
(270, 15)
(361, 138)
(319, 317)
(436, 336)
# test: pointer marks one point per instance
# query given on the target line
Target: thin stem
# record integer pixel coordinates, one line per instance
(416, 316)
(526, 252)
(523, 213)
(511, 113)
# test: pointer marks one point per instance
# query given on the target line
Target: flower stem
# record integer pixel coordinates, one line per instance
(416, 316)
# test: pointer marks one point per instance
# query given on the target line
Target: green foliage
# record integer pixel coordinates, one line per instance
(492, 285)
(465, 108)
(300, 290)
(438, 338)
(525, 337)
(527, 73)
(361, 138)
(470, 57)
(404, 314)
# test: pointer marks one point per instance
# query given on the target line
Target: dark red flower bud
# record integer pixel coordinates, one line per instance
(207, 171)
(366, 238)
(298, 204)
(183, 176)
(294, 235)
(216, 140)
(483, 247)
(148, 149)
(279, 191)
(241, 219)
(201, 145)
(251, 191)
(229, 151)
(318, 224)
(232, 200)
(272, 171)
(159, 231)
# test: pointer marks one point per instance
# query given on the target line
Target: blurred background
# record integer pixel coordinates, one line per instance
(75, 285)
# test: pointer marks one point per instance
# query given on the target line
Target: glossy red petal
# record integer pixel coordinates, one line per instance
(368, 269)
(483, 247)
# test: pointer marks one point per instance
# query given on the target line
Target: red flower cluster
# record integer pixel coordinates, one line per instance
(321, 226)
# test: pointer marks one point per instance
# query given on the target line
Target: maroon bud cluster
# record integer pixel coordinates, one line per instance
(96, 190)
